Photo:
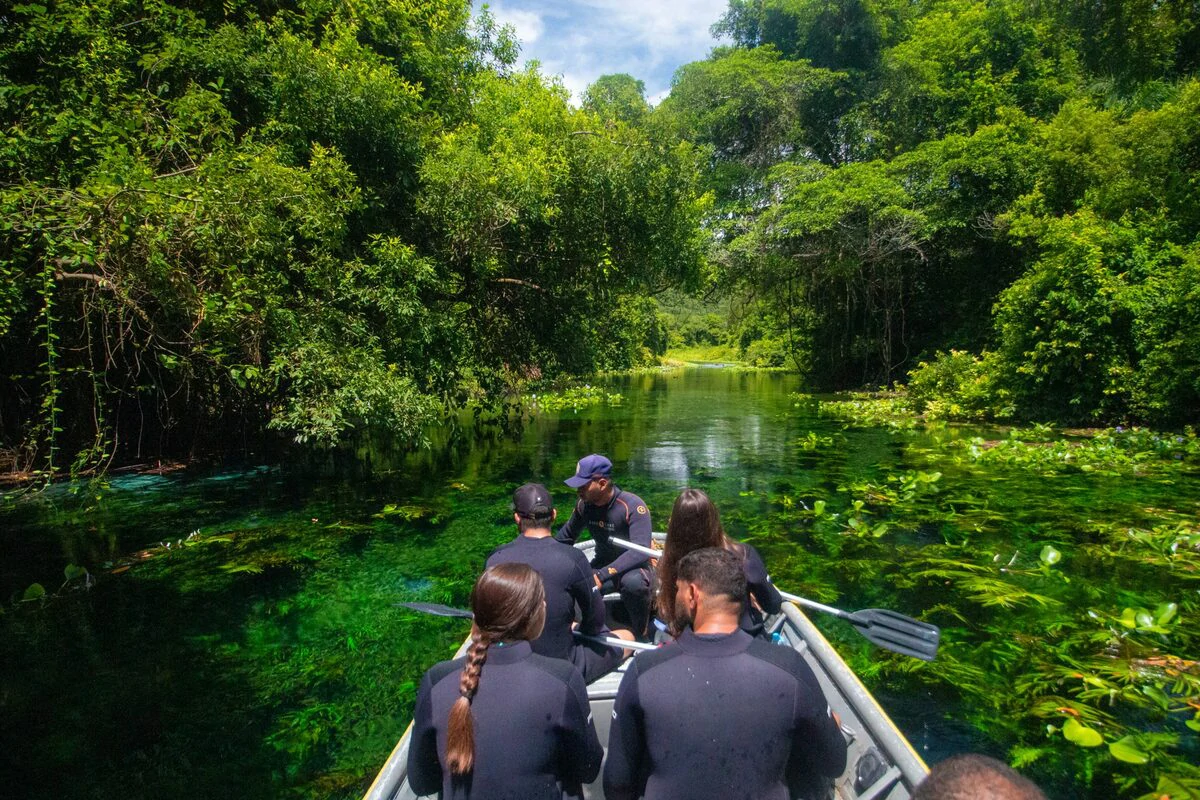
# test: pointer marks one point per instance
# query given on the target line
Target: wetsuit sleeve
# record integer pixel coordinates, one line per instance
(818, 746)
(591, 602)
(637, 531)
(569, 531)
(759, 583)
(581, 753)
(624, 771)
(424, 769)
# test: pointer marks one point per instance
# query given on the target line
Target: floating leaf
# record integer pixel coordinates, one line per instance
(1125, 750)
(73, 571)
(35, 592)
(1050, 555)
(1194, 724)
(1081, 734)
(818, 507)
(1144, 618)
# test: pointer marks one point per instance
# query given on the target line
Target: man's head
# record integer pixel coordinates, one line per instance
(533, 508)
(709, 580)
(592, 479)
(975, 777)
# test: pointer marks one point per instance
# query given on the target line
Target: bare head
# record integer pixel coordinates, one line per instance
(509, 602)
(976, 777)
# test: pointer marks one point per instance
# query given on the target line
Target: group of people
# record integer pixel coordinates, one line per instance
(718, 711)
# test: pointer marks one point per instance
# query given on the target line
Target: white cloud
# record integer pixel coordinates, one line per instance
(527, 24)
(584, 39)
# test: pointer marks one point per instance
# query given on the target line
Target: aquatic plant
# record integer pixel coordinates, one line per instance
(574, 398)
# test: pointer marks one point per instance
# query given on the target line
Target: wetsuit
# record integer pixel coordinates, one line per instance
(761, 589)
(534, 737)
(626, 517)
(567, 577)
(726, 716)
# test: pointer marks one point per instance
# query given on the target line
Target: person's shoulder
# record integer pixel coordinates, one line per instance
(499, 555)
(558, 668)
(647, 660)
(444, 669)
(785, 658)
(631, 504)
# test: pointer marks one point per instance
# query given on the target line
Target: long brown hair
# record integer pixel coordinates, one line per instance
(509, 602)
(694, 525)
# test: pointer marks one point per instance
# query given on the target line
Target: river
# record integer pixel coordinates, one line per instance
(240, 635)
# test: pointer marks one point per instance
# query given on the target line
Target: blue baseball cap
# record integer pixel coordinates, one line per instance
(593, 466)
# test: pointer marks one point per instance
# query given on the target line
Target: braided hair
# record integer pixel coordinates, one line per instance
(509, 602)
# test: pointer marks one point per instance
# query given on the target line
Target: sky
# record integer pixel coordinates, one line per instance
(580, 40)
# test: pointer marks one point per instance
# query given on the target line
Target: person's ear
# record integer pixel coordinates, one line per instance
(553, 514)
(516, 518)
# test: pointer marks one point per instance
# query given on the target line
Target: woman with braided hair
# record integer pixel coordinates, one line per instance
(503, 721)
(695, 525)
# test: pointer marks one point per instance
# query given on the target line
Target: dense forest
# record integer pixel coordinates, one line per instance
(998, 198)
(317, 216)
(314, 216)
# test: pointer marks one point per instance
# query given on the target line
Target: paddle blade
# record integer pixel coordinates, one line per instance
(437, 609)
(897, 633)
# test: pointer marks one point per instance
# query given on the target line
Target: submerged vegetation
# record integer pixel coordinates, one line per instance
(243, 628)
(1069, 642)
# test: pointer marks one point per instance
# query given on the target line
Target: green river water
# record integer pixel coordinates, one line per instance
(265, 655)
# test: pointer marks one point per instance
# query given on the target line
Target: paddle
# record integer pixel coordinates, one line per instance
(440, 610)
(881, 627)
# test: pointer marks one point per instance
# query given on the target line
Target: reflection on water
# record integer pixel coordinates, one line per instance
(266, 655)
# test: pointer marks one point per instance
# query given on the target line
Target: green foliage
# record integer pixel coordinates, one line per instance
(617, 97)
(322, 219)
(956, 386)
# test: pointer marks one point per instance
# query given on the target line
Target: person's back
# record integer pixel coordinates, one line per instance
(975, 777)
(523, 705)
(718, 713)
(567, 578)
(503, 722)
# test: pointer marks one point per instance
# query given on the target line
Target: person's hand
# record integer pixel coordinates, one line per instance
(596, 578)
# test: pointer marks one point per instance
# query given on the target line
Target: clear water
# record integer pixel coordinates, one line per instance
(265, 656)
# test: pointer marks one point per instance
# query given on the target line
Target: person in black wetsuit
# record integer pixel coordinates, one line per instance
(971, 776)
(503, 722)
(567, 577)
(606, 511)
(694, 525)
(717, 712)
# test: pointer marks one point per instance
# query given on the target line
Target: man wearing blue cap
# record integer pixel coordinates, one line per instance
(606, 511)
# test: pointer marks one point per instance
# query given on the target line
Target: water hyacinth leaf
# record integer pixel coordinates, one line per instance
(35, 592)
(1125, 750)
(1144, 618)
(1050, 555)
(818, 507)
(1081, 734)
(73, 571)
(1165, 613)
(1129, 618)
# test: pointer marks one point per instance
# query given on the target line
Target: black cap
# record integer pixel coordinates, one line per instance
(533, 501)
